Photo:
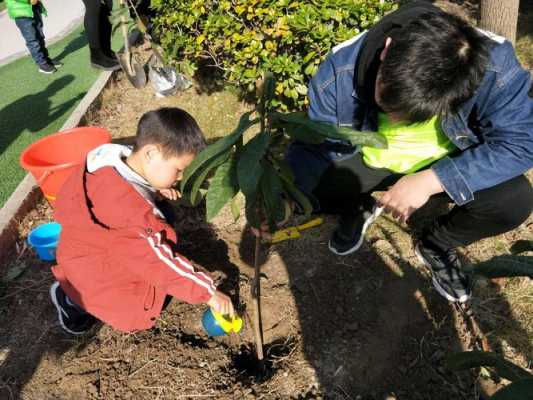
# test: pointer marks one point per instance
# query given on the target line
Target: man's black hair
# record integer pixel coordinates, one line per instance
(433, 65)
(173, 130)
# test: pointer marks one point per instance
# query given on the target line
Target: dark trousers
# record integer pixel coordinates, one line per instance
(32, 31)
(346, 185)
(97, 25)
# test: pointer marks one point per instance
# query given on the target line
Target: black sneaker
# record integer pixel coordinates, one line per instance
(105, 63)
(72, 319)
(56, 64)
(446, 272)
(350, 232)
(47, 68)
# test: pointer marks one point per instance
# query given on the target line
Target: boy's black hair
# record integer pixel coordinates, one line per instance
(433, 65)
(172, 129)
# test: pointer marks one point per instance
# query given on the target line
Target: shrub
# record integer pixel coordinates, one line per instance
(241, 38)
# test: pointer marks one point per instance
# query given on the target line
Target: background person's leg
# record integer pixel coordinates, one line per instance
(93, 27)
(38, 23)
(91, 22)
(28, 30)
(106, 28)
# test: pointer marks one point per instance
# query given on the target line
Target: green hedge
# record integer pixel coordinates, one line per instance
(242, 38)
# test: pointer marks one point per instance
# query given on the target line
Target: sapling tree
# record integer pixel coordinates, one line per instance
(257, 170)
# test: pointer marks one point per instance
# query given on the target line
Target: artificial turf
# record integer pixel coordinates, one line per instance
(33, 104)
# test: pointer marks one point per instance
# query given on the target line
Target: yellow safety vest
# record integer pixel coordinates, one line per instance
(410, 146)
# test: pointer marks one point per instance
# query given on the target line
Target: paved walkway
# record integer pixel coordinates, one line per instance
(63, 17)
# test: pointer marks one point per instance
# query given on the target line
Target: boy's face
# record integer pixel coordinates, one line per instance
(163, 172)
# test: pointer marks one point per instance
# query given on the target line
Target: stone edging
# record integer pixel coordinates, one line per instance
(27, 194)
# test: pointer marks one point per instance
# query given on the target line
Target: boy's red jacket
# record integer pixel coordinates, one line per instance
(115, 256)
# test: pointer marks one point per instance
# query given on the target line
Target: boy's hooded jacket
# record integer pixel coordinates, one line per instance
(115, 255)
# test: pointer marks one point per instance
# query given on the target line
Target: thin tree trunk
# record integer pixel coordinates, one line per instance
(500, 17)
(256, 300)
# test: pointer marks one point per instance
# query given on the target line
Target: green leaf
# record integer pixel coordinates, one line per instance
(301, 133)
(324, 130)
(521, 246)
(284, 170)
(298, 197)
(223, 188)
(213, 163)
(218, 147)
(475, 359)
(250, 168)
(235, 208)
(504, 266)
(519, 390)
(272, 191)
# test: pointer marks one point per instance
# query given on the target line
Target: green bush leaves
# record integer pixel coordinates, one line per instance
(242, 38)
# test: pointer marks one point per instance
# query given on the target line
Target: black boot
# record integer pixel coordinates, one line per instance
(100, 61)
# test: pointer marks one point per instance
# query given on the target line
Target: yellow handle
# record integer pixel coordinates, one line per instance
(310, 224)
(285, 234)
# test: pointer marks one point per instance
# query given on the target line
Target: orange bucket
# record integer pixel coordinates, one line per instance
(53, 158)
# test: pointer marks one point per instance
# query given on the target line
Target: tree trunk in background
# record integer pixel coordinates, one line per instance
(500, 17)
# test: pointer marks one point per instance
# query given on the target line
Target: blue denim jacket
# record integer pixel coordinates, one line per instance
(493, 130)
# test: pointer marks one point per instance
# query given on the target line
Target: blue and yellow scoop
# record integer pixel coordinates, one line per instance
(216, 324)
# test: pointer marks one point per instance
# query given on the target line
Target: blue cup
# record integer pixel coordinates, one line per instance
(44, 240)
(211, 325)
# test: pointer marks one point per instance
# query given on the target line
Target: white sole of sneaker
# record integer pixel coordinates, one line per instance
(59, 310)
(46, 72)
(436, 283)
(375, 214)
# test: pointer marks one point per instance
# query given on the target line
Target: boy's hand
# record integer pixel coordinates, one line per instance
(221, 303)
(171, 194)
(410, 193)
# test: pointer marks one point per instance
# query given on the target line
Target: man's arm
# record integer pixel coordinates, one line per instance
(507, 147)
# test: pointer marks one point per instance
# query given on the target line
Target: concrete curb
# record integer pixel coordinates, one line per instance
(27, 194)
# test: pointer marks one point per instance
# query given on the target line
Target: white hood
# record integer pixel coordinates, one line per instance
(114, 155)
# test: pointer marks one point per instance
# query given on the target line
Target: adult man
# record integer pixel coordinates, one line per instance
(452, 102)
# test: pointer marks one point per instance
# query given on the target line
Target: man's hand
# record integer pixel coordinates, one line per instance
(171, 194)
(221, 303)
(410, 193)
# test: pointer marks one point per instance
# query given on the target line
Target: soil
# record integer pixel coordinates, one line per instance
(365, 326)
(360, 327)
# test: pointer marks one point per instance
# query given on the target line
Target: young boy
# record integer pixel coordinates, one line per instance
(28, 17)
(116, 258)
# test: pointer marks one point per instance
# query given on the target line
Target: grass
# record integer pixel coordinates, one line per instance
(33, 105)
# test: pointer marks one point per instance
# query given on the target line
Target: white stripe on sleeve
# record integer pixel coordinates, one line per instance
(174, 267)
